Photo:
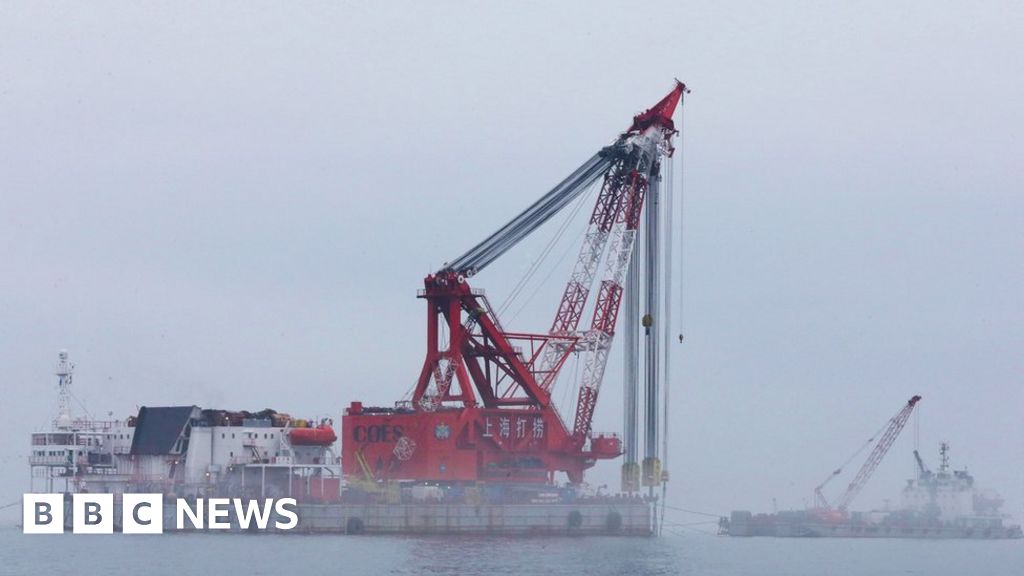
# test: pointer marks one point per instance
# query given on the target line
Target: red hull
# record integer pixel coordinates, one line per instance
(463, 445)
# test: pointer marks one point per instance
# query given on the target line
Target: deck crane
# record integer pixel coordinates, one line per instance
(481, 408)
(890, 432)
(924, 472)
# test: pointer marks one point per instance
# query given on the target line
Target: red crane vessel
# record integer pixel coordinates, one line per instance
(482, 409)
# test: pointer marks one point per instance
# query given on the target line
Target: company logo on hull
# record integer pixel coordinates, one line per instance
(144, 513)
(377, 433)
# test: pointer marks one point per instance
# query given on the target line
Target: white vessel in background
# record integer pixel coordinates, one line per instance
(950, 498)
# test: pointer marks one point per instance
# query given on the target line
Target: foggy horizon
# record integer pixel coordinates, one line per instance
(234, 208)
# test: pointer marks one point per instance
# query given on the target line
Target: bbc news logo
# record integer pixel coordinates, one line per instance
(144, 513)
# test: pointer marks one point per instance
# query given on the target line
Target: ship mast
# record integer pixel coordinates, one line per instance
(64, 375)
(944, 458)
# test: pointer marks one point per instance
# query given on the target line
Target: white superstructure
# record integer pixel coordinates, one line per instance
(950, 496)
(185, 451)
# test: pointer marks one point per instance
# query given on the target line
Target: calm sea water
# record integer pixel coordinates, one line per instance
(680, 553)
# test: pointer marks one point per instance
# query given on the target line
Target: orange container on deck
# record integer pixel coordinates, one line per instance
(322, 435)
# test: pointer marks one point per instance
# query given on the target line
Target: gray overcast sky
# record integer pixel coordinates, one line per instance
(233, 205)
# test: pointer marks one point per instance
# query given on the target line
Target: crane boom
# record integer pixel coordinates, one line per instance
(922, 468)
(478, 257)
(892, 431)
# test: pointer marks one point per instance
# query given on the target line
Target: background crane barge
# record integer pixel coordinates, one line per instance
(942, 505)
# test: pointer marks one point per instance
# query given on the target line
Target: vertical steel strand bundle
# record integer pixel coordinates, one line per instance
(631, 358)
(666, 314)
(652, 322)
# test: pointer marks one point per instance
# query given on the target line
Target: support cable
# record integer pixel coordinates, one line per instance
(682, 221)
(694, 512)
(668, 294)
(684, 524)
(478, 257)
(557, 266)
(917, 429)
(569, 392)
(536, 264)
(853, 456)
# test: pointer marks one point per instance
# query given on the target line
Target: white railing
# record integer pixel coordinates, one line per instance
(48, 461)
